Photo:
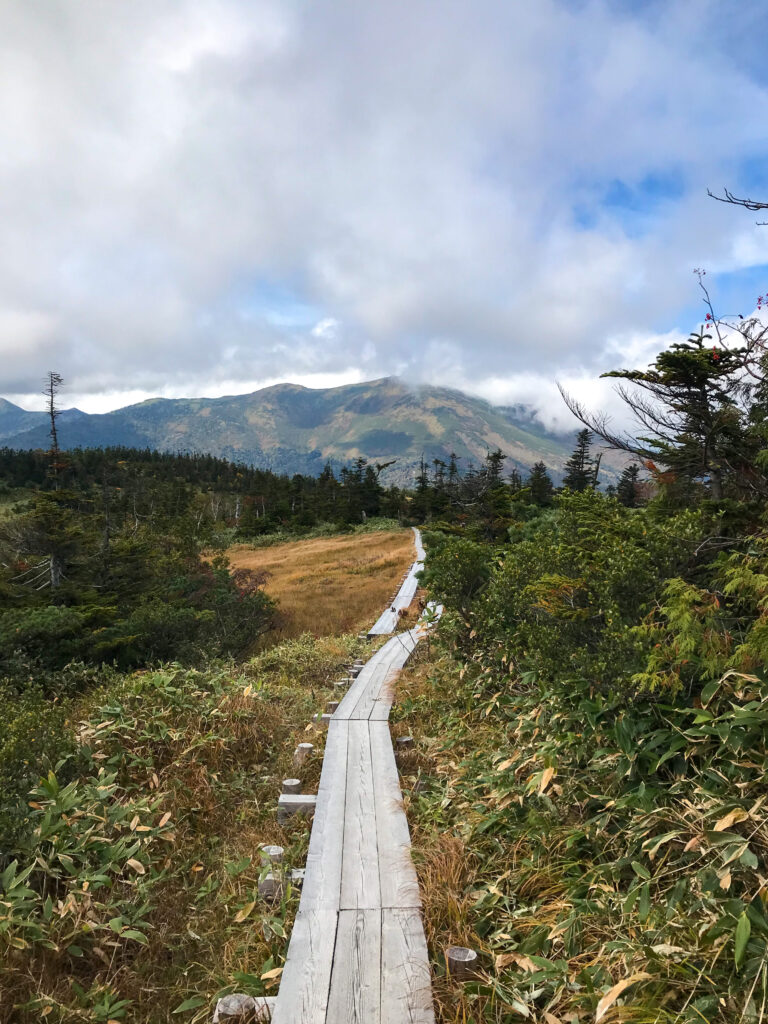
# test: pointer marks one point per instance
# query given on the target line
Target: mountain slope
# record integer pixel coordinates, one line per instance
(14, 419)
(293, 429)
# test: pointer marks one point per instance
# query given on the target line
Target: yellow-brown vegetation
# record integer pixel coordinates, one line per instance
(330, 585)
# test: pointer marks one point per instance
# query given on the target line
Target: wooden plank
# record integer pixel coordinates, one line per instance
(406, 989)
(391, 655)
(356, 984)
(353, 694)
(397, 875)
(360, 888)
(322, 881)
(306, 978)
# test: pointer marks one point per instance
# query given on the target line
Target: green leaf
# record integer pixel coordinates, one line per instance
(131, 933)
(640, 869)
(709, 691)
(190, 1004)
(741, 937)
(644, 905)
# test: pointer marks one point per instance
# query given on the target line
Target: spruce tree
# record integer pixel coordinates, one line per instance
(626, 489)
(579, 469)
(540, 486)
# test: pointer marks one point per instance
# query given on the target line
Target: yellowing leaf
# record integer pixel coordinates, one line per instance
(613, 994)
(520, 960)
(244, 912)
(143, 828)
(164, 820)
(274, 973)
(248, 690)
(546, 778)
(137, 866)
(730, 819)
(505, 764)
(725, 881)
(134, 822)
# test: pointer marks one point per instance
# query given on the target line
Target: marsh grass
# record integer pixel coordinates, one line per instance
(330, 585)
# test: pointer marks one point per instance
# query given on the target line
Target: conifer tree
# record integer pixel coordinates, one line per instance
(626, 489)
(579, 469)
(540, 486)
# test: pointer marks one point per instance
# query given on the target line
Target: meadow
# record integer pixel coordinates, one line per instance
(329, 585)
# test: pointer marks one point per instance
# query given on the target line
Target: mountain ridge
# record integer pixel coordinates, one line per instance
(290, 428)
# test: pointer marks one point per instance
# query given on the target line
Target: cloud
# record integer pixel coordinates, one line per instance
(224, 191)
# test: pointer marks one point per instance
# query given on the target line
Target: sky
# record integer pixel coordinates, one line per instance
(208, 196)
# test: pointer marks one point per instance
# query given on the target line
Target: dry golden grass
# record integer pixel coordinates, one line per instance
(330, 585)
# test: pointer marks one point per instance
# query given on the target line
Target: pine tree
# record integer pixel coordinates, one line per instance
(580, 469)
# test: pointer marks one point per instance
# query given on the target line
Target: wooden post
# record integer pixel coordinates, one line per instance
(331, 706)
(302, 752)
(271, 887)
(462, 963)
(404, 743)
(241, 1007)
(272, 855)
(291, 785)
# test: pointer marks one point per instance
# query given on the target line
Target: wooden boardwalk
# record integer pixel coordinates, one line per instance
(388, 620)
(357, 953)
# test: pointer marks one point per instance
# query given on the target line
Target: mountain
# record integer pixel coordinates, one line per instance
(14, 419)
(293, 429)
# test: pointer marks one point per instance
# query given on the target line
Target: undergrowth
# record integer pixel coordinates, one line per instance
(579, 845)
(131, 890)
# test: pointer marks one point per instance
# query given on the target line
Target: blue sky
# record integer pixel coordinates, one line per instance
(207, 197)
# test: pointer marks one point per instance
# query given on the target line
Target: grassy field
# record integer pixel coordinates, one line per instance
(330, 585)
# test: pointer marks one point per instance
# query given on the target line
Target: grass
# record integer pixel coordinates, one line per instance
(330, 585)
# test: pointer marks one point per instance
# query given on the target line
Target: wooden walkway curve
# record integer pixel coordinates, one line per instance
(357, 953)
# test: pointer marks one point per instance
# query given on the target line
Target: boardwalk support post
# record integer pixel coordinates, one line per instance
(302, 752)
(462, 963)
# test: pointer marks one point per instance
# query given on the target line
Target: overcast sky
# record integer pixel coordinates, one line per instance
(200, 197)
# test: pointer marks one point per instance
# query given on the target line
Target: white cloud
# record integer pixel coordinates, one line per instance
(434, 181)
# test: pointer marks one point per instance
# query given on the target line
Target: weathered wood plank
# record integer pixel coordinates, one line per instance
(397, 875)
(392, 654)
(306, 978)
(360, 887)
(356, 984)
(369, 675)
(406, 988)
(322, 884)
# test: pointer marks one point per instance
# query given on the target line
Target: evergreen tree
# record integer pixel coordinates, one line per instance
(626, 489)
(540, 486)
(579, 469)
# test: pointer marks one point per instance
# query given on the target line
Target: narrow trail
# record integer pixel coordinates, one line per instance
(357, 951)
